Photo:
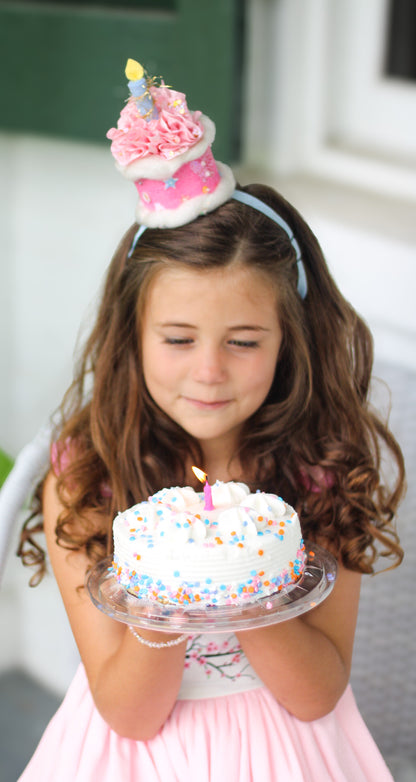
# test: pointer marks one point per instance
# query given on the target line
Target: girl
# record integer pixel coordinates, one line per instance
(226, 343)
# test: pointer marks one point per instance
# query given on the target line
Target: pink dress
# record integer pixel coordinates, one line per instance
(225, 726)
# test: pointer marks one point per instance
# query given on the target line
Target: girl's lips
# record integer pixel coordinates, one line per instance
(206, 405)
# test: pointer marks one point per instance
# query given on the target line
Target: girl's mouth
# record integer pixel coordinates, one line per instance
(204, 405)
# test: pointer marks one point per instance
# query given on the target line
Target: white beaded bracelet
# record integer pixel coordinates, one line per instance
(158, 644)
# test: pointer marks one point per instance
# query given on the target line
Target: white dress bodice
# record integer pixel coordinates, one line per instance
(215, 665)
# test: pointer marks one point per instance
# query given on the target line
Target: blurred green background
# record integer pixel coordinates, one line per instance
(62, 64)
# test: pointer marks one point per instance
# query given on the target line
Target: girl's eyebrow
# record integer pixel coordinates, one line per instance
(243, 327)
(175, 325)
(251, 327)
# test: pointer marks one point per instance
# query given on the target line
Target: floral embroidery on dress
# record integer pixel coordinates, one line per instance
(225, 657)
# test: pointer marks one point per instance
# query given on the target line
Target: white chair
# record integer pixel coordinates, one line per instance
(384, 671)
(30, 465)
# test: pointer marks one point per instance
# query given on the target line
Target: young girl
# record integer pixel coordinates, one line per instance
(204, 352)
(223, 342)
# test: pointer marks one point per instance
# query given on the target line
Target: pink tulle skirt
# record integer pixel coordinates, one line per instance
(244, 737)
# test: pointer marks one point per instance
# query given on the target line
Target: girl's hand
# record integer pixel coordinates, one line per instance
(134, 687)
(305, 662)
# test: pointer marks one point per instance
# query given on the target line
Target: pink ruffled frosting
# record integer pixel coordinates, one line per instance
(174, 131)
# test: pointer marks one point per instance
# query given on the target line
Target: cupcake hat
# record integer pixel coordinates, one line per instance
(165, 149)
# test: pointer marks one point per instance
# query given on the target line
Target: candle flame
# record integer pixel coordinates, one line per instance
(200, 474)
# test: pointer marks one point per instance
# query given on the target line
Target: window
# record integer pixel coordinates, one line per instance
(330, 106)
(372, 85)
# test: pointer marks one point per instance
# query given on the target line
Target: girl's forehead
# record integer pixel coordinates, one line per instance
(234, 280)
(233, 294)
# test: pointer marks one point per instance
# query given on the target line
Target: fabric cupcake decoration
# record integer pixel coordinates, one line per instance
(165, 149)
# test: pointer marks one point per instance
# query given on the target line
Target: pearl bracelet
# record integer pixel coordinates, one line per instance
(158, 644)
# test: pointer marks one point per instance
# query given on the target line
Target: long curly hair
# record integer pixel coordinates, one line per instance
(315, 440)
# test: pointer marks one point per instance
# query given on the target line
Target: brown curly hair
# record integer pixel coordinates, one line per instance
(315, 440)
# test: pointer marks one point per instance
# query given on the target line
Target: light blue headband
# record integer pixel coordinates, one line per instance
(256, 203)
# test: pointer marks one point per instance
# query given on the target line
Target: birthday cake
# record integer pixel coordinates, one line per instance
(165, 149)
(171, 549)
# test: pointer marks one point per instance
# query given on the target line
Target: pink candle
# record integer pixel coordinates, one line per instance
(208, 496)
(203, 477)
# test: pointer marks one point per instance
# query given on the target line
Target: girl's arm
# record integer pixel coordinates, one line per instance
(305, 662)
(134, 687)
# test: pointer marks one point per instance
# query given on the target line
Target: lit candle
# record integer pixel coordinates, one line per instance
(203, 477)
(139, 88)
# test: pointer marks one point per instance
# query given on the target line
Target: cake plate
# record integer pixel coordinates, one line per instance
(312, 588)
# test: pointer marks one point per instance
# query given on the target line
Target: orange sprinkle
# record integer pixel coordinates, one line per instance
(261, 572)
(138, 556)
(233, 533)
(270, 522)
(261, 552)
(240, 545)
(251, 589)
(311, 554)
(267, 583)
(259, 518)
(234, 596)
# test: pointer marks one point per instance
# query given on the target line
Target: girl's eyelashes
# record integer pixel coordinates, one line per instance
(178, 340)
(238, 343)
(243, 343)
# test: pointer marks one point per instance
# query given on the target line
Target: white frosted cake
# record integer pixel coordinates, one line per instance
(170, 549)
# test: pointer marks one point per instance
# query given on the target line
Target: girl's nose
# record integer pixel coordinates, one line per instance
(209, 365)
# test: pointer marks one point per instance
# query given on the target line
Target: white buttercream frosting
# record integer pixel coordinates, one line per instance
(169, 548)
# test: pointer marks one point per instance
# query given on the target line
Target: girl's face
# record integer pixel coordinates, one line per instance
(210, 345)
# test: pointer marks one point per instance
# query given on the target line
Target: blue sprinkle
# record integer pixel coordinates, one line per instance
(176, 573)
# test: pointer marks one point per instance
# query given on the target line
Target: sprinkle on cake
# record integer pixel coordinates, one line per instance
(170, 549)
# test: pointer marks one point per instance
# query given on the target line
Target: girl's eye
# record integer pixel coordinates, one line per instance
(243, 343)
(178, 341)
